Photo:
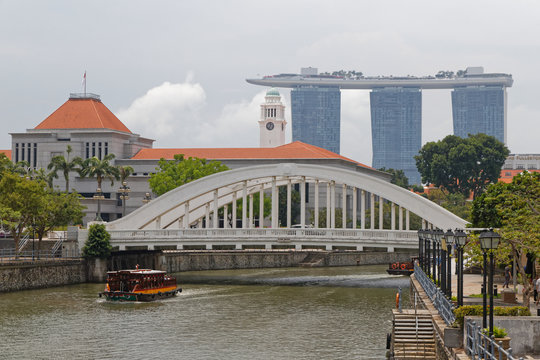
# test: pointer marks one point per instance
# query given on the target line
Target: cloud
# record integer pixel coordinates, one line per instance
(165, 111)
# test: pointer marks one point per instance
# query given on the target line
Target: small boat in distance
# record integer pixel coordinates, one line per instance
(139, 285)
(400, 268)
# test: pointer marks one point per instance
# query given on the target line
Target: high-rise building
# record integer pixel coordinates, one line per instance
(316, 116)
(272, 121)
(396, 128)
(479, 109)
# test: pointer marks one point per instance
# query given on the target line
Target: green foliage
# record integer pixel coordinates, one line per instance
(174, 173)
(100, 169)
(60, 163)
(499, 332)
(338, 220)
(398, 177)
(456, 203)
(476, 310)
(98, 243)
(462, 165)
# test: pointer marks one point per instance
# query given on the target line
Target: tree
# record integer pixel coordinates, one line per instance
(462, 165)
(56, 209)
(98, 243)
(456, 203)
(398, 177)
(515, 209)
(125, 172)
(174, 173)
(20, 198)
(60, 163)
(100, 169)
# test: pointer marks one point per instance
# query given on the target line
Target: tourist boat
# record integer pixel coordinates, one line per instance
(139, 285)
(401, 268)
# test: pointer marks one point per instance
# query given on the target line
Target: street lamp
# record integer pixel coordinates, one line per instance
(420, 239)
(147, 198)
(124, 191)
(429, 257)
(489, 240)
(441, 260)
(99, 196)
(461, 239)
(449, 235)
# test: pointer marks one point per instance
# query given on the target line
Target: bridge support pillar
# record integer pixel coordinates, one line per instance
(215, 215)
(372, 212)
(400, 217)
(393, 214)
(208, 246)
(238, 246)
(407, 219)
(354, 205)
(268, 246)
(179, 247)
(328, 207)
(344, 205)
(303, 202)
(234, 210)
(329, 247)
(363, 210)
(333, 205)
(289, 191)
(250, 225)
(225, 216)
(316, 209)
(298, 247)
(359, 248)
(261, 207)
(244, 205)
(381, 214)
(390, 249)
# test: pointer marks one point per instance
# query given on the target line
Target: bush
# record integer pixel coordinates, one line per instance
(97, 245)
(498, 332)
(476, 310)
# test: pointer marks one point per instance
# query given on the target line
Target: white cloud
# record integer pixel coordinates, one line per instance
(165, 111)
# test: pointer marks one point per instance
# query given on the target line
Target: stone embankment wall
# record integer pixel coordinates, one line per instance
(41, 274)
(225, 260)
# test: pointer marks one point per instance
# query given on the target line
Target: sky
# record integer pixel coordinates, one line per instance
(175, 71)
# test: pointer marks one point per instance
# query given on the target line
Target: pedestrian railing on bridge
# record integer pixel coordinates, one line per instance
(481, 346)
(10, 255)
(439, 300)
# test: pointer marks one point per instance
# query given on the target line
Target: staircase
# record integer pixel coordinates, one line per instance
(313, 259)
(412, 335)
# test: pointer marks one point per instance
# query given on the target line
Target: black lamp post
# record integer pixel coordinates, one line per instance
(449, 235)
(489, 240)
(427, 258)
(99, 196)
(420, 247)
(461, 239)
(124, 191)
(442, 261)
(433, 254)
(33, 236)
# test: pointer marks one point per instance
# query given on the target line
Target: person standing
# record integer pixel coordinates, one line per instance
(507, 276)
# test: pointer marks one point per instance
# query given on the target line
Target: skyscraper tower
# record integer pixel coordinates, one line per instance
(396, 128)
(315, 112)
(272, 123)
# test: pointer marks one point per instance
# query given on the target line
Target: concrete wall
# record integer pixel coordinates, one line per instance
(223, 260)
(523, 330)
(41, 275)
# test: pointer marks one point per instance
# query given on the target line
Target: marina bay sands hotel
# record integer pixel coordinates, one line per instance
(478, 106)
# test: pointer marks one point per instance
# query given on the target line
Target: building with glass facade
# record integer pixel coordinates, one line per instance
(479, 109)
(396, 129)
(315, 113)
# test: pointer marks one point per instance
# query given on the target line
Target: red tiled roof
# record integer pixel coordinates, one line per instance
(83, 114)
(294, 150)
(7, 153)
(507, 175)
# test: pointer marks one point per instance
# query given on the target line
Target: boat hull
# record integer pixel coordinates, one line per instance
(138, 296)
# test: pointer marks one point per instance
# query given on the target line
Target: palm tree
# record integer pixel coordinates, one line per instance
(125, 171)
(100, 169)
(60, 163)
(41, 174)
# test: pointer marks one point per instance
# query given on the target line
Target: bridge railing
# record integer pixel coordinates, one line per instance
(439, 300)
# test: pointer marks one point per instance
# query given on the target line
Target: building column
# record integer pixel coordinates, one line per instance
(381, 213)
(400, 217)
(328, 206)
(250, 211)
(289, 191)
(372, 212)
(316, 209)
(158, 223)
(261, 207)
(186, 215)
(207, 216)
(424, 224)
(355, 203)
(234, 209)
(344, 205)
(333, 205)
(225, 216)
(216, 212)
(393, 222)
(244, 205)
(303, 202)
(363, 209)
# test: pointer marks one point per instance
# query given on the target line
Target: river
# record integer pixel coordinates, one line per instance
(293, 313)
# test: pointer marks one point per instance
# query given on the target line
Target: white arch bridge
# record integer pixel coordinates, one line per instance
(188, 216)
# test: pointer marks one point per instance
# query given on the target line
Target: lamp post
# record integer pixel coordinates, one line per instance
(420, 247)
(449, 235)
(98, 196)
(124, 191)
(33, 236)
(461, 239)
(489, 240)
(431, 249)
(442, 260)
(147, 198)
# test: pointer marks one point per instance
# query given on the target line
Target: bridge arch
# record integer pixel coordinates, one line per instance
(184, 206)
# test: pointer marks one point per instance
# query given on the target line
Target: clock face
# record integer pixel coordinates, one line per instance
(270, 125)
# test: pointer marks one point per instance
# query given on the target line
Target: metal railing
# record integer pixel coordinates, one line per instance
(24, 241)
(439, 300)
(10, 255)
(481, 346)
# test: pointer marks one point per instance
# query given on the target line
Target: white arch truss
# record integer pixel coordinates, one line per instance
(190, 203)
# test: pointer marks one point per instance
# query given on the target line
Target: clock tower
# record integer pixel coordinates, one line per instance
(272, 122)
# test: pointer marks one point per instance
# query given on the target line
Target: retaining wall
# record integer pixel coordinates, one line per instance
(41, 274)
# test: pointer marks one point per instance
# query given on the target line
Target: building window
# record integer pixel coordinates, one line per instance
(93, 149)
(22, 152)
(87, 150)
(29, 152)
(35, 155)
(99, 150)
(16, 153)
(520, 166)
(106, 148)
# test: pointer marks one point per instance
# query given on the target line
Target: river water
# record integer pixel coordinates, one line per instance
(293, 313)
